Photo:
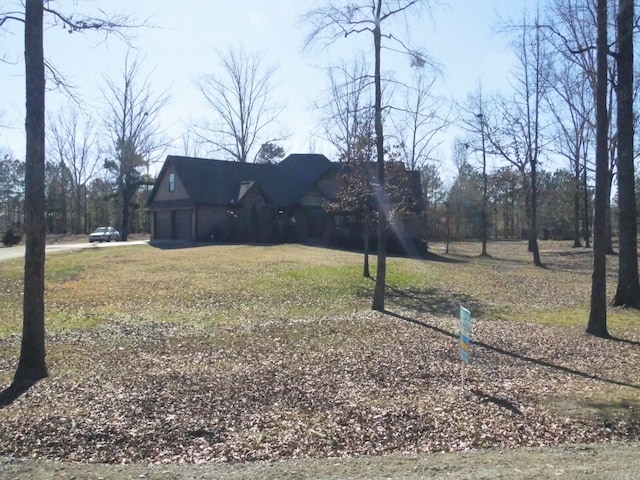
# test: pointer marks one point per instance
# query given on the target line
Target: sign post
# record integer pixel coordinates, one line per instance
(465, 339)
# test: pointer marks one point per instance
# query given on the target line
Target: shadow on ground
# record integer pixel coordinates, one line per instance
(519, 356)
(434, 301)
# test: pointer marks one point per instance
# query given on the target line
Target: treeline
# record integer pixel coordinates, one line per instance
(70, 208)
(455, 212)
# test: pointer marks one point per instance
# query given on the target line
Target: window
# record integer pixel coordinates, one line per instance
(172, 182)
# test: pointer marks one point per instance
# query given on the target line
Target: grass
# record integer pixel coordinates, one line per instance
(240, 283)
(276, 341)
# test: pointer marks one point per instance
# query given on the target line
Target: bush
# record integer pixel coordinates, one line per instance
(11, 238)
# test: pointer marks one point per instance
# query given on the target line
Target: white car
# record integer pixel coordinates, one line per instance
(104, 234)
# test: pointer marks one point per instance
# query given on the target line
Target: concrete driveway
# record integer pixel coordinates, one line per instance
(8, 253)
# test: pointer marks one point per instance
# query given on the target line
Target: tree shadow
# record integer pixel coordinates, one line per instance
(13, 392)
(501, 402)
(525, 358)
(625, 341)
(178, 244)
(434, 301)
(434, 257)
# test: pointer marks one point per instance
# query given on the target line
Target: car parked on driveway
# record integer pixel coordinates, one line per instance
(104, 234)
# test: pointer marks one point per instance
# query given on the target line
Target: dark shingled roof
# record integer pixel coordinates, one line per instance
(221, 182)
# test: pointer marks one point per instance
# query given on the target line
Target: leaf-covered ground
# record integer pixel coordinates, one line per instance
(268, 385)
(360, 384)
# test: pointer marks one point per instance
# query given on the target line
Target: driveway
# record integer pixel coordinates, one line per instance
(9, 253)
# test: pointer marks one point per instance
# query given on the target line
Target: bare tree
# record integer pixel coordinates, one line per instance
(573, 32)
(240, 98)
(348, 107)
(190, 145)
(475, 123)
(628, 291)
(420, 120)
(335, 21)
(534, 84)
(597, 324)
(32, 364)
(131, 123)
(72, 139)
(355, 193)
(519, 139)
(571, 105)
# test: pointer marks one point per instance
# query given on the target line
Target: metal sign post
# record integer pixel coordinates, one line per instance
(465, 339)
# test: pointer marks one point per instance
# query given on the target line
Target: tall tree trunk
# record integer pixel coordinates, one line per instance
(533, 226)
(381, 272)
(64, 207)
(609, 217)
(32, 366)
(628, 291)
(587, 210)
(576, 206)
(367, 221)
(485, 227)
(77, 227)
(483, 252)
(597, 324)
(448, 226)
(533, 161)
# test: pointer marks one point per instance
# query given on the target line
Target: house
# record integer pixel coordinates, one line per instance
(198, 199)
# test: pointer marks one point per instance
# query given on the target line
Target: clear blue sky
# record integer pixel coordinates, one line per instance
(459, 34)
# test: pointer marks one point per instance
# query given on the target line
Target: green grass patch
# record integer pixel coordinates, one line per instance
(59, 320)
(562, 317)
(240, 283)
(605, 403)
(58, 270)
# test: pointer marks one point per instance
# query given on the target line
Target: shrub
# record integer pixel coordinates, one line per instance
(11, 238)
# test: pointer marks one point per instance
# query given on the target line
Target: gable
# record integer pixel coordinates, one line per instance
(312, 198)
(170, 186)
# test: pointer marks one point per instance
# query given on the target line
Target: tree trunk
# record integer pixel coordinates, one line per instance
(448, 228)
(367, 220)
(483, 252)
(597, 324)
(32, 366)
(77, 222)
(587, 210)
(628, 291)
(576, 206)
(533, 226)
(609, 215)
(381, 272)
(124, 228)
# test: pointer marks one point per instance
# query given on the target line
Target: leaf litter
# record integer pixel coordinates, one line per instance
(357, 384)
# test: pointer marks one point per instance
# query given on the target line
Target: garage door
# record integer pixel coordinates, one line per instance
(182, 225)
(162, 226)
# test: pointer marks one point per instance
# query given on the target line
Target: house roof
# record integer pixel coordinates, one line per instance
(222, 183)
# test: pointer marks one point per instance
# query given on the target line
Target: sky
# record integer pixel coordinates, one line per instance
(180, 47)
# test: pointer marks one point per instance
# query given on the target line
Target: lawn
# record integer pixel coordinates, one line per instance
(235, 353)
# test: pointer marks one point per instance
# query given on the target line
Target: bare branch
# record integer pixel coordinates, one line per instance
(114, 24)
(240, 98)
(11, 17)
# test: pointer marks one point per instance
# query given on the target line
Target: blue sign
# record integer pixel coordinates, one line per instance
(465, 333)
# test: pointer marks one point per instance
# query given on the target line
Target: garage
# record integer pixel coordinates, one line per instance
(172, 225)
